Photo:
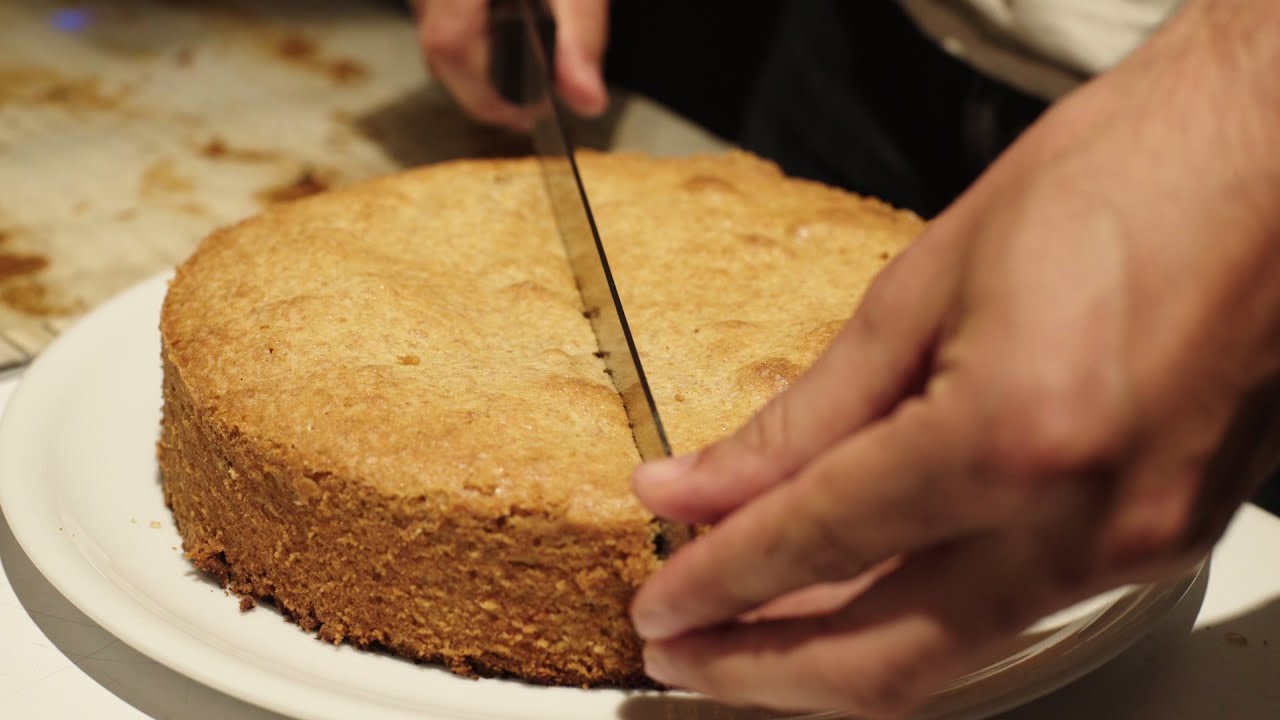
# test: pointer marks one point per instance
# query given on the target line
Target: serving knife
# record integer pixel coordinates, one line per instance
(521, 69)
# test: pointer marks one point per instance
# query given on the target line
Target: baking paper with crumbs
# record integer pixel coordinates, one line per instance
(131, 129)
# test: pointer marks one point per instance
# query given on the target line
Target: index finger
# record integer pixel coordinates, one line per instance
(898, 486)
(875, 361)
(455, 38)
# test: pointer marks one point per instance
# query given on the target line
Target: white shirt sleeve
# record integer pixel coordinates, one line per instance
(1044, 47)
(1089, 36)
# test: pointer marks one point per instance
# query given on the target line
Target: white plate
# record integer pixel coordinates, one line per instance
(80, 489)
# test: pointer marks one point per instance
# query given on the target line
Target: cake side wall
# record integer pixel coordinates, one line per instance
(438, 579)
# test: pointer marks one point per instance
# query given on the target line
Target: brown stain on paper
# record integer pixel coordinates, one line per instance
(302, 52)
(165, 187)
(194, 209)
(20, 288)
(14, 265)
(43, 87)
(160, 180)
(31, 297)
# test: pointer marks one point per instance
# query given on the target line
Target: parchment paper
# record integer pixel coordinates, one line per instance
(129, 129)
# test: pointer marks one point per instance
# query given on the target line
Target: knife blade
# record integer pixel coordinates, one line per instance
(577, 227)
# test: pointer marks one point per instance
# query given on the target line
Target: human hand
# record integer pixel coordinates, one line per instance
(1069, 382)
(455, 40)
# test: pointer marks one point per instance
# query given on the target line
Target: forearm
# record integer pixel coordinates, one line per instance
(1220, 61)
(1243, 38)
(1194, 118)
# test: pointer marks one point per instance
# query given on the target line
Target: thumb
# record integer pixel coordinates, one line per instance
(875, 360)
(582, 28)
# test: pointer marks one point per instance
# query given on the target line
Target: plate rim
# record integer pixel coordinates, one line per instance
(55, 555)
(1120, 623)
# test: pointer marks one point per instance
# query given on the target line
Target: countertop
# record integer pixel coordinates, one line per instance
(131, 129)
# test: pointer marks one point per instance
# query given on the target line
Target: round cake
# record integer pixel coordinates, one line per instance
(384, 410)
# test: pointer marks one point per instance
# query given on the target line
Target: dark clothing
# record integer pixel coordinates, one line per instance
(852, 94)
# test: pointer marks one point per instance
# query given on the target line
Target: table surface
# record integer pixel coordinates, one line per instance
(131, 130)
(57, 663)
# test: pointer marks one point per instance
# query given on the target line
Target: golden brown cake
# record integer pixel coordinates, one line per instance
(383, 411)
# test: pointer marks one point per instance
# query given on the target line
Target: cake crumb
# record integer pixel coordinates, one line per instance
(155, 524)
(247, 603)
(1236, 639)
(409, 360)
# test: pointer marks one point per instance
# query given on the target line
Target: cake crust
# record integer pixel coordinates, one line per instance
(383, 409)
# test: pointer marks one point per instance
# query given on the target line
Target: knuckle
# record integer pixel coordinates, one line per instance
(1048, 428)
(751, 452)
(722, 590)
(870, 320)
(723, 460)
(771, 428)
(1160, 527)
(443, 41)
(829, 551)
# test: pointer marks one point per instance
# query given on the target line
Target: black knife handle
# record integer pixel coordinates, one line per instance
(511, 65)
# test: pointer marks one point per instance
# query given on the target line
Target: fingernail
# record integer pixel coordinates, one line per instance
(660, 472)
(657, 665)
